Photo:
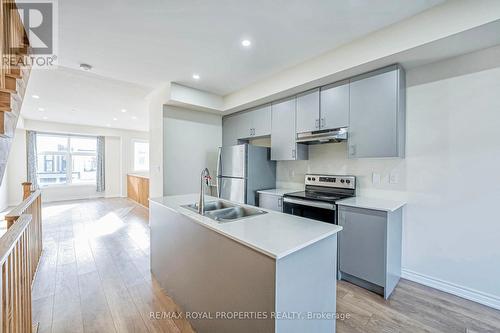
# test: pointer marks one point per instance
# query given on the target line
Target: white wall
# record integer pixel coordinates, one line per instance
(190, 143)
(16, 168)
(450, 176)
(119, 161)
(155, 108)
(4, 193)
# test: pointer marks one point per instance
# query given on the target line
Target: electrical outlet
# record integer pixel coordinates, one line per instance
(394, 177)
(376, 178)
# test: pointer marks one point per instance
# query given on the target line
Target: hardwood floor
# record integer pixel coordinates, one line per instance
(94, 277)
(94, 274)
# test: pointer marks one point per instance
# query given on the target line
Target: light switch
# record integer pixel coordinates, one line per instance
(394, 178)
(376, 178)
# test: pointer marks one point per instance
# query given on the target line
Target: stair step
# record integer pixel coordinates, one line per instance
(14, 75)
(11, 91)
(10, 83)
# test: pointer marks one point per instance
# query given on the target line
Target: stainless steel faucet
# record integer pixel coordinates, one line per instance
(204, 179)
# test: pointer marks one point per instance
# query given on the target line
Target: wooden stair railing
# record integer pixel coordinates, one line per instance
(15, 68)
(16, 263)
(20, 252)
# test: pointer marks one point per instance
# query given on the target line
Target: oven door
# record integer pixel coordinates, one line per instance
(316, 210)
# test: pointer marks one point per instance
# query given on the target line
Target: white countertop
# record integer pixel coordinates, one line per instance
(274, 234)
(277, 191)
(140, 175)
(372, 203)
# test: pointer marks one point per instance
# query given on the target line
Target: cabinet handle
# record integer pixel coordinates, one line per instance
(293, 153)
(280, 202)
(253, 131)
(317, 123)
(322, 123)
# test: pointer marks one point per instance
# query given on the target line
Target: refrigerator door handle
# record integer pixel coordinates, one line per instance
(218, 175)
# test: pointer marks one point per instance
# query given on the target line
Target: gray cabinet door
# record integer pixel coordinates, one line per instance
(261, 120)
(362, 244)
(334, 106)
(271, 202)
(374, 118)
(283, 146)
(244, 125)
(308, 111)
(229, 131)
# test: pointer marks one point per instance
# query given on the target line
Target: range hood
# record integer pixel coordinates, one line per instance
(324, 136)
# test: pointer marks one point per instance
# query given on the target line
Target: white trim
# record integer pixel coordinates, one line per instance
(464, 292)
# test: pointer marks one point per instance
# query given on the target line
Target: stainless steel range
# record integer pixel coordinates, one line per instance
(318, 201)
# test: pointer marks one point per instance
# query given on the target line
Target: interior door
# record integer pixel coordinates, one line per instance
(233, 189)
(233, 161)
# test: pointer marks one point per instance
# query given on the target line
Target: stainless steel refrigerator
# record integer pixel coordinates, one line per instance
(242, 170)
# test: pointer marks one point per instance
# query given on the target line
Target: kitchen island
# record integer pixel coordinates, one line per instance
(265, 273)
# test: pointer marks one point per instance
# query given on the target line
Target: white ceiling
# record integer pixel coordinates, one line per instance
(152, 42)
(75, 97)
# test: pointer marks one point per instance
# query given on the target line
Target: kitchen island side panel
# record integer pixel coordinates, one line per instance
(206, 272)
(306, 286)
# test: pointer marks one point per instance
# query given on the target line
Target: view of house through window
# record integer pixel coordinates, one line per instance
(65, 159)
(141, 155)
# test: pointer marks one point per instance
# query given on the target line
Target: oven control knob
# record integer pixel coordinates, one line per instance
(348, 181)
(308, 178)
(342, 181)
(314, 179)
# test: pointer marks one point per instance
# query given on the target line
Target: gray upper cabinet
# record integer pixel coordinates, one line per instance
(334, 109)
(229, 131)
(308, 111)
(377, 114)
(261, 120)
(246, 125)
(283, 136)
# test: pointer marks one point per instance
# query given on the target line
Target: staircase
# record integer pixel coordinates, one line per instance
(15, 69)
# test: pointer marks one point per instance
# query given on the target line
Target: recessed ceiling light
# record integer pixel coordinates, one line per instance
(124, 110)
(108, 125)
(196, 76)
(41, 109)
(115, 119)
(85, 67)
(246, 43)
(45, 118)
(35, 96)
(134, 117)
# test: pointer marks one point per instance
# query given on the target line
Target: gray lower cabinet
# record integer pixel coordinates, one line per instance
(283, 136)
(334, 106)
(370, 248)
(271, 201)
(377, 114)
(308, 111)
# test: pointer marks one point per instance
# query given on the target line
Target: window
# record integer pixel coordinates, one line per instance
(66, 159)
(141, 155)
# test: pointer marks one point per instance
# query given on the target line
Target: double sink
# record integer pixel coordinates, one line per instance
(221, 211)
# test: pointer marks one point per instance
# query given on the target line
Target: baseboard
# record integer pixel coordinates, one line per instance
(454, 289)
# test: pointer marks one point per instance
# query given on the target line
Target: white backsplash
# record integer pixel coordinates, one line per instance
(331, 159)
